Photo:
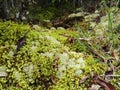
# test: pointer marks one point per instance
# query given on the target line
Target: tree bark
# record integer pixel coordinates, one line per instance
(5, 9)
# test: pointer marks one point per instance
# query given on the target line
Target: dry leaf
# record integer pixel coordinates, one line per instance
(98, 80)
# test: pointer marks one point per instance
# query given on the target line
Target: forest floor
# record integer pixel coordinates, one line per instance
(80, 53)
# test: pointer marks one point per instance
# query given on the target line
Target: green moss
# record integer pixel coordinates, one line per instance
(42, 13)
(33, 66)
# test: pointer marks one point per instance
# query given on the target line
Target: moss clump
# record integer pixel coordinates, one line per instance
(35, 64)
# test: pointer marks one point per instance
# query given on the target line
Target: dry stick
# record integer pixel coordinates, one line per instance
(85, 39)
(112, 75)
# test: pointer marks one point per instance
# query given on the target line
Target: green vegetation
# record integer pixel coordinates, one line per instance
(33, 66)
(60, 48)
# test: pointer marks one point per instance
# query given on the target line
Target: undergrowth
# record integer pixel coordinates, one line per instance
(45, 61)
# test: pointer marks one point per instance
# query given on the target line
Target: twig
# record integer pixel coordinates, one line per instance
(111, 75)
(85, 39)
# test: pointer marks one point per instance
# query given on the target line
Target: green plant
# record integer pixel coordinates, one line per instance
(45, 61)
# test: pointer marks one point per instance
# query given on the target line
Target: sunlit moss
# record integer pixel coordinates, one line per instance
(33, 66)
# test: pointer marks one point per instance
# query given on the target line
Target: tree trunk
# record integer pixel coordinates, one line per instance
(5, 9)
(12, 3)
